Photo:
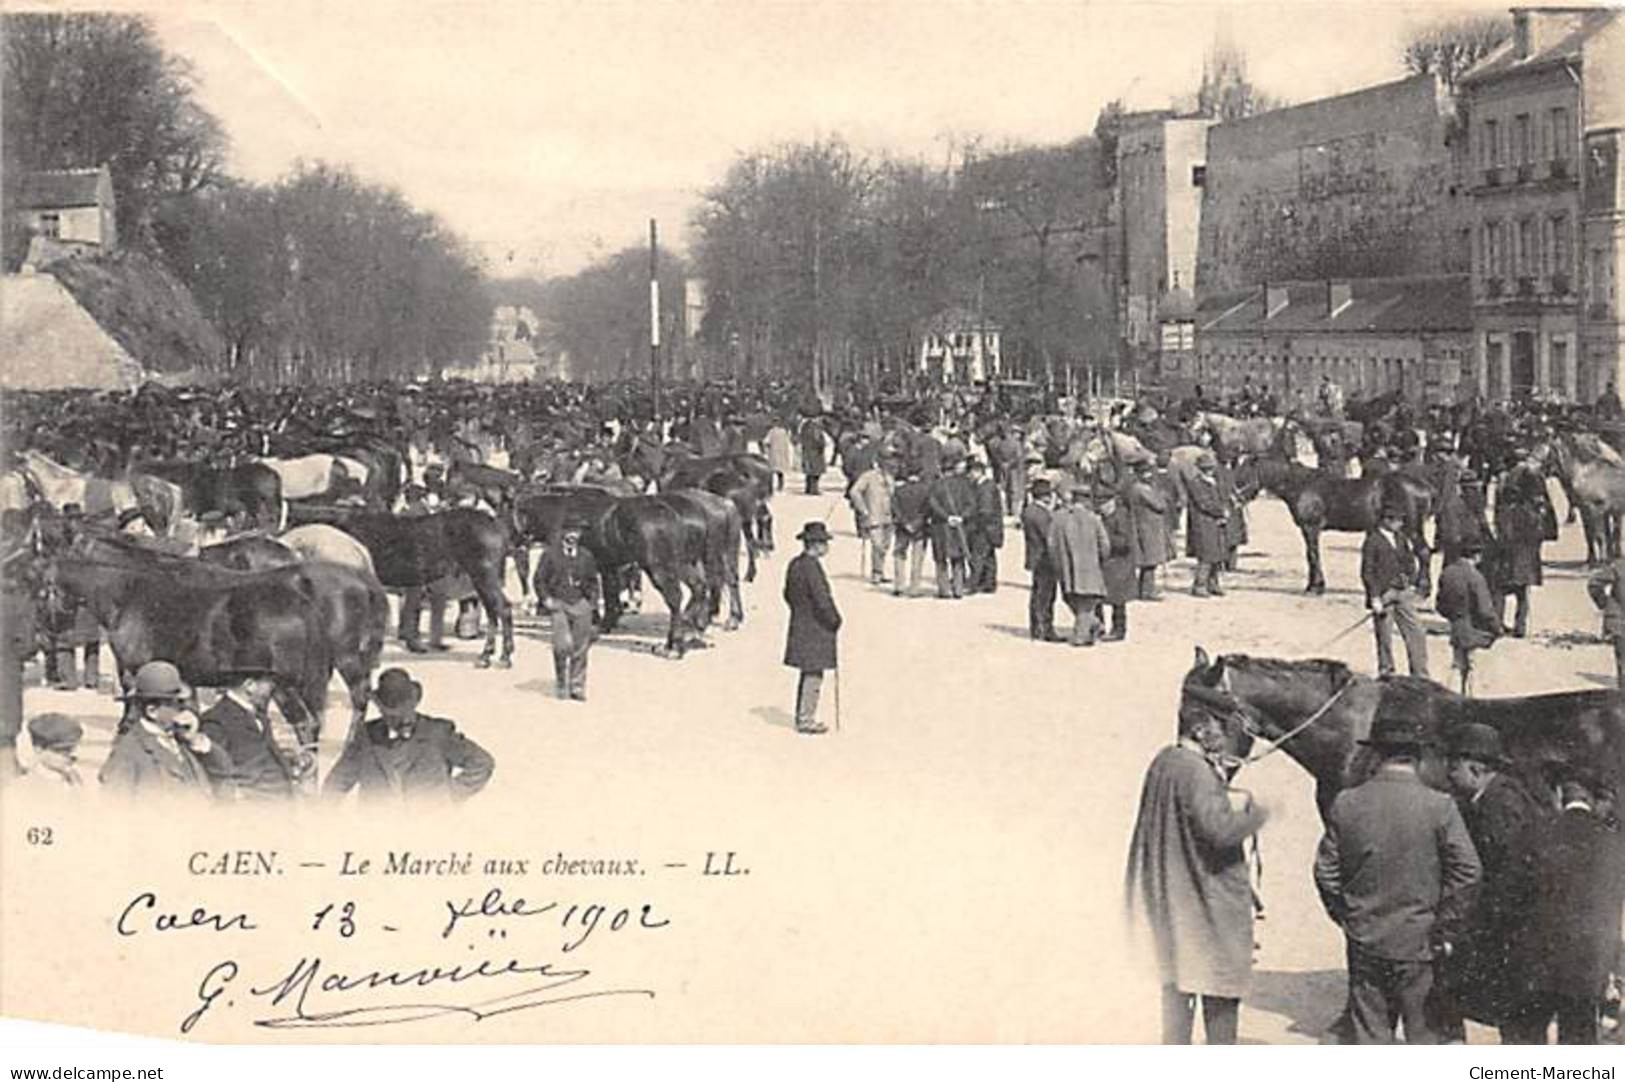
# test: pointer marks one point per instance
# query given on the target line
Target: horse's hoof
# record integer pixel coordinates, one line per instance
(504, 662)
(731, 625)
(482, 663)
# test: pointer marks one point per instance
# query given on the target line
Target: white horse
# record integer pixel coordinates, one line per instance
(308, 475)
(318, 541)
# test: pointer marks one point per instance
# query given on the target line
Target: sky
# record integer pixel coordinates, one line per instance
(548, 133)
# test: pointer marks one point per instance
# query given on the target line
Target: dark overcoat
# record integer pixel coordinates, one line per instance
(951, 496)
(1149, 506)
(814, 619)
(1521, 509)
(259, 767)
(1121, 567)
(1571, 883)
(1205, 533)
(436, 761)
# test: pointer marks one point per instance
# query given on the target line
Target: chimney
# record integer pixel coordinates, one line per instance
(1522, 43)
(1339, 295)
(1275, 299)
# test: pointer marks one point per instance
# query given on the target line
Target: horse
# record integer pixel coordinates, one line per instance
(746, 479)
(307, 476)
(60, 486)
(416, 550)
(1320, 502)
(1335, 441)
(246, 488)
(1593, 476)
(1234, 437)
(646, 531)
(1316, 711)
(720, 520)
(352, 611)
(318, 541)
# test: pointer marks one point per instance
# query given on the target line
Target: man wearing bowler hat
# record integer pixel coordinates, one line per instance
(1397, 871)
(1499, 812)
(241, 724)
(567, 583)
(406, 754)
(814, 622)
(160, 749)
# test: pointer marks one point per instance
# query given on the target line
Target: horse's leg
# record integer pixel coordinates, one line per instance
(521, 566)
(764, 524)
(498, 614)
(610, 584)
(698, 612)
(671, 589)
(1311, 549)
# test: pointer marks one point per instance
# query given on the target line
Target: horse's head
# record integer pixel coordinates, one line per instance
(1239, 727)
(1286, 700)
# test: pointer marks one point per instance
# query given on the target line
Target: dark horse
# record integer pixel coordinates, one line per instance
(251, 489)
(416, 550)
(351, 612)
(745, 479)
(1319, 501)
(1279, 696)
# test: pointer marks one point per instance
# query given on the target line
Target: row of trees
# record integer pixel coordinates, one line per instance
(319, 276)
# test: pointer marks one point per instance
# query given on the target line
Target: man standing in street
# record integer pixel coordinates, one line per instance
(987, 531)
(241, 725)
(1569, 889)
(1523, 521)
(1499, 812)
(1205, 538)
(160, 751)
(567, 583)
(1388, 570)
(1397, 872)
(909, 515)
(814, 621)
(1079, 547)
(1464, 599)
(1150, 507)
(813, 453)
(951, 501)
(1036, 518)
(871, 495)
(406, 754)
(1188, 878)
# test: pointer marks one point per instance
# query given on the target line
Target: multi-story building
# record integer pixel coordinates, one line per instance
(1161, 165)
(958, 346)
(1543, 323)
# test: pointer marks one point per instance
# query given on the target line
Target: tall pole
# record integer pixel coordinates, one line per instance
(654, 315)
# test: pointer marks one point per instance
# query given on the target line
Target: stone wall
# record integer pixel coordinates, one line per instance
(1360, 185)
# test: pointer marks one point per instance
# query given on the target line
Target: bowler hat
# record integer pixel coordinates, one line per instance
(1392, 731)
(158, 681)
(1042, 488)
(1475, 740)
(396, 688)
(54, 732)
(814, 531)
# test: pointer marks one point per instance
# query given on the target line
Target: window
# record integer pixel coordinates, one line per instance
(1557, 135)
(1520, 144)
(1528, 248)
(50, 225)
(1562, 245)
(1492, 145)
(1198, 176)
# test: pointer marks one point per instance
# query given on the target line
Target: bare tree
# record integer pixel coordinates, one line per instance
(1450, 47)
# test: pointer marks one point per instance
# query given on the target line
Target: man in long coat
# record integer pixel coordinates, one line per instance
(1523, 519)
(1035, 523)
(952, 501)
(1570, 888)
(986, 530)
(1078, 546)
(1149, 506)
(910, 513)
(1205, 538)
(1121, 565)
(1464, 599)
(810, 641)
(1188, 877)
(1499, 812)
(813, 460)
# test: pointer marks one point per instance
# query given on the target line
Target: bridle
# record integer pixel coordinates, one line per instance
(1250, 727)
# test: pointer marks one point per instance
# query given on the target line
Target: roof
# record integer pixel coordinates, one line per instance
(1567, 45)
(957, 318)
(1409, 305)
(59, 188)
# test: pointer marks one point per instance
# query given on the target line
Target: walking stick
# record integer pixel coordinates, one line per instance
(837, 698)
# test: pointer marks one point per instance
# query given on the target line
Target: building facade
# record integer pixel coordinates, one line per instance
(1361, 185)
(1369, 336)
(1544, 223)
(959, 347)
(69, 209)
(1161, 167)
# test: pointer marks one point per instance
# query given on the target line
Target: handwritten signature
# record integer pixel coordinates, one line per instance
(311, 983)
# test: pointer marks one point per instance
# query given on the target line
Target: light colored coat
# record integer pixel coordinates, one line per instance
(871, 497)
(1079, 547)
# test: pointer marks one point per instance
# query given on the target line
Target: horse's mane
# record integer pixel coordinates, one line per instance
(1334, 671)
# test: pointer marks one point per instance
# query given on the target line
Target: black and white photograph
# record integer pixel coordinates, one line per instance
(813, 523)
